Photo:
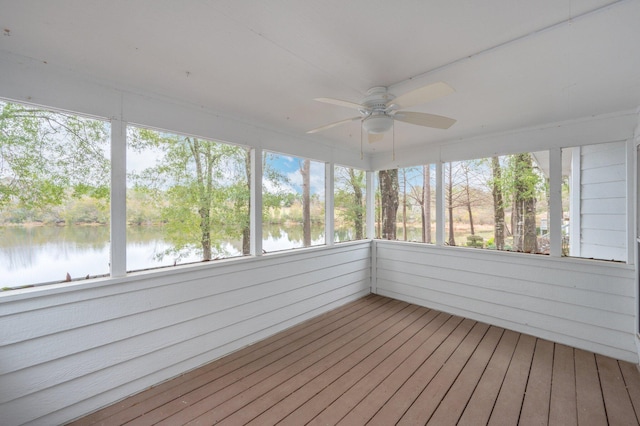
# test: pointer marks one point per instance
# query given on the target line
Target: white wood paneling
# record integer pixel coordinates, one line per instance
(603, 182)
(68, 350)
(586, 304)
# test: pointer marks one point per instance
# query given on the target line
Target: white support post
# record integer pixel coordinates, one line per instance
(118, 266)
(329, 223)
(631, 202)
(575, 189)
(555, 202)
(374, 267)
(440, 203)
(371, 206)
(255, 214)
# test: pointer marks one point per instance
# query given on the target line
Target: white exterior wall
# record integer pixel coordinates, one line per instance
(67, 350)
(603, 201)
(582, 303)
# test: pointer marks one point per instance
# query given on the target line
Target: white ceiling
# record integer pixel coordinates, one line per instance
(513, 63)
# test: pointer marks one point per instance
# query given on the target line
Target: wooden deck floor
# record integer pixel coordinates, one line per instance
(383, 362)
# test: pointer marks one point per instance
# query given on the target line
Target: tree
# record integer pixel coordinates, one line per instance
(47, 157)
(466, 169)
(421, 194)
(425, 205)
(524, 185)
(202, 188)
(450, 203)
(389, 188)
(305, 171)
(349, 197)
(498, 203)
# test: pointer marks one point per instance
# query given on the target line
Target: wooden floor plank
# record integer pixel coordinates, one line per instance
(383, 361)
(232, 383)
(433, 394)
(385, 344)
(537, 397)
(380, 361)
(507, 408)
(480, 406)
(283, 383)
(589, 402)
(408, 357)
(563, 410)
(453, 404)
(411, 376)
(252, 384)
(614, 392)
(631, 376)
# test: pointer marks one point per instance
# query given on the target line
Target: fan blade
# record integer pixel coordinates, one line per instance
(330, 125)
(375, 137)
(340, 102)
(423, 119)
(421, 95)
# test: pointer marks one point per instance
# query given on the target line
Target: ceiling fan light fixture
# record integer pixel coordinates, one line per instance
(377, 123)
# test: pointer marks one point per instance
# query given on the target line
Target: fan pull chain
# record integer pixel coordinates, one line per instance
(393, 129)
(361, 147)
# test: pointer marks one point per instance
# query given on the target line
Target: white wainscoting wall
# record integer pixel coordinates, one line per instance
(582, 303)
(69, 349)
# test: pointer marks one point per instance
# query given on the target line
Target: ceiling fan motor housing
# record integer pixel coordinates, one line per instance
(376, 119)
(377, 122)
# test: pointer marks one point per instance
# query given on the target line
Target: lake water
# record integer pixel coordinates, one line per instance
(46, 254)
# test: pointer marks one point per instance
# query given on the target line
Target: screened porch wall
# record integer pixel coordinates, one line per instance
(582, 303)
(67, 350)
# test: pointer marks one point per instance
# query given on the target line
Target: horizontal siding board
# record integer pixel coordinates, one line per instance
(173, 320)
(61, 294)
(513, 314)
(611, 206)
(562, 330)
(556, 309)
(149, 300)
(211, 308)
(32, 324)
(599, 147)
(19, 383)
(588, 304)
(605, 238)
(110, 395)
(583, 275)
(611, 222)
(603, 191)
(499, 319)
(611, 173)
(525, 287)
(605, 156)
(595, 251)
(115, 376)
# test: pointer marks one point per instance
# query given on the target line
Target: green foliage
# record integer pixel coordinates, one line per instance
(199, 187)
(475, 241)
(47, 158)
(349, 200)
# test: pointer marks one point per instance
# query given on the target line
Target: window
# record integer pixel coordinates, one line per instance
(54, 196)
(595, 201)
(498, 203)
(187, 199)
(293, 202)
(405, 204)
(349, 203)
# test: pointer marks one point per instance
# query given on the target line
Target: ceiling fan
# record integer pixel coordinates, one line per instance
(379, 109)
